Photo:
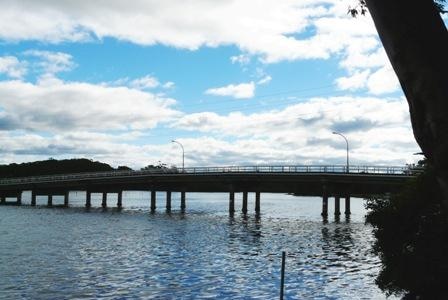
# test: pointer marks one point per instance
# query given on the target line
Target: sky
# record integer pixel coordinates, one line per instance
(255, 82)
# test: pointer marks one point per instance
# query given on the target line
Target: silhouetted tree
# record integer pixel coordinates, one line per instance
(411, 231)
(124, 168)
(416, 42)
(52, 166)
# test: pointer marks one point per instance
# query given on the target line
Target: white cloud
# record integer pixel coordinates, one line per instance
(242, 59)
(237, 91)
(378, 129)
(383, 81)
(146, 82)
(56, 106)
(266, 79)
(168, 85)
(12, 67)
(355, 81)
(51, 62)
(267, 28)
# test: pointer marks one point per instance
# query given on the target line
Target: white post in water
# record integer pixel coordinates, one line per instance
(282, 279)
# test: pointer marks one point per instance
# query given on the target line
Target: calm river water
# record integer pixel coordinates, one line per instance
(71, 253)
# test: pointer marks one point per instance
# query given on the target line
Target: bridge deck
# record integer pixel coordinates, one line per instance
(322, 181)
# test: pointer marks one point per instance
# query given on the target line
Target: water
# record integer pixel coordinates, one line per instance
(61, 253)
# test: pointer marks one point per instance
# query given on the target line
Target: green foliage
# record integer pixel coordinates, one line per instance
(159, 166)
(124, 168)
(411, 231)
(52, 166)
(361, 8)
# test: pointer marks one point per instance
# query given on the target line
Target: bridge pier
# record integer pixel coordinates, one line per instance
(347, 205)
(2, 199)
(88, 199)
(231, 202)
(33, 198)
(168, 200)
(19, 198)
(153, 201)
(120, 199)
(257, 203)
(337, 205)
(324, 205)
(50, 200)
(66, 194)
(244, 209)
(182, 201)
(104, 200)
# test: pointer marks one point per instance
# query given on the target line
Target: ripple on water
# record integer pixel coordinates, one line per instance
(70, 253)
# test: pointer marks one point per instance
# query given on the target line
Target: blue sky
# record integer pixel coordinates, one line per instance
(237, 82)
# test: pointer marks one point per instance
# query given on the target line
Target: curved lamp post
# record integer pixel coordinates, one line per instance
(346, 141)
(183, 153)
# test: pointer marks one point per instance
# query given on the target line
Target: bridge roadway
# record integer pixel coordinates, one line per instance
(324, 181)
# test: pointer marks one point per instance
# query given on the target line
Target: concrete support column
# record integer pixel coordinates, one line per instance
(120, 199)
(66, 198)
(244, 209)
(168, 200)
(50, 200)
(337, 205)
(2, 199)
(257, 202)
(88, 199)
(182, 201)
(231, 202)
(324, 204)
(104, 200)
(153, 200)
(19, 198)
(33, 198)
(347, 205)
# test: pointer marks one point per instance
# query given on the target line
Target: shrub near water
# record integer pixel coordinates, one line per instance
(411, 231)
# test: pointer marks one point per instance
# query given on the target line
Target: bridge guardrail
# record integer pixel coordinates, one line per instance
(379, 170)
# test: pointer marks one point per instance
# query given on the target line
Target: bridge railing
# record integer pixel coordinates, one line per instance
(399, 170)
(297, 169)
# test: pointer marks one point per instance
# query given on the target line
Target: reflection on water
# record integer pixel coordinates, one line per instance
(201, 254)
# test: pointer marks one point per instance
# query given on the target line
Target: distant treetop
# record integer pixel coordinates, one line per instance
(53, 166)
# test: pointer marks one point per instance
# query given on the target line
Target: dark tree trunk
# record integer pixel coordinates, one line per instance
(416, 42)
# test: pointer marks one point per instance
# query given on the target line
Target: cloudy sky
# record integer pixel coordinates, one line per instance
(236, 82)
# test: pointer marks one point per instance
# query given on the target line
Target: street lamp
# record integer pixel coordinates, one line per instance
(183, 153)
(346, 141)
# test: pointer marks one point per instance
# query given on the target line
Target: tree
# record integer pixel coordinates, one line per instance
(416, 42)
(411, 231)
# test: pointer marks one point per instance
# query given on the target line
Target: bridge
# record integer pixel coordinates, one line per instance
(324, 181)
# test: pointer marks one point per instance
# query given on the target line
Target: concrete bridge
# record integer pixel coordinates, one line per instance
(324, 181)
